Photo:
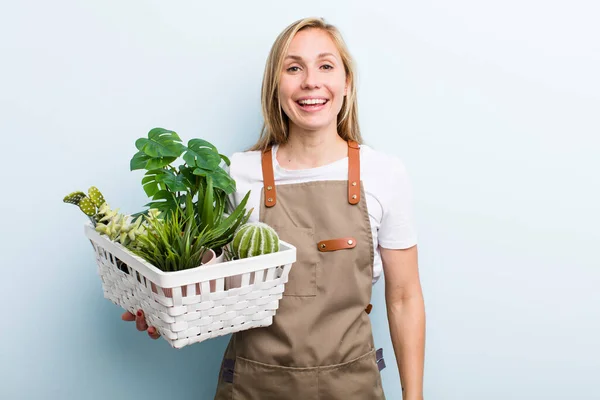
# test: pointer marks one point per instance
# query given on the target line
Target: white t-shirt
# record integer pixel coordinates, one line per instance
(386, 183)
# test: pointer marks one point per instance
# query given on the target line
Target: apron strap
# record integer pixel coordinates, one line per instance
(353, 172)
(353, 175)
(268, 178)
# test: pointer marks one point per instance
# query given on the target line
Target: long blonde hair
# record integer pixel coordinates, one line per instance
(275, 125)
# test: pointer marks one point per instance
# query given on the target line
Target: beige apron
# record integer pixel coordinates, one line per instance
(320, 345)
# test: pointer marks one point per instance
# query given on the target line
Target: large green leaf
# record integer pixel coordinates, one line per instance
(161, 143)
(164, 201)
(150, 183)
(201, 171)
(202, 154)
(142, 160)
(174, 182)
(223, 181)
(159, 162)
(139, 161)
(202, 143)
(158, 179)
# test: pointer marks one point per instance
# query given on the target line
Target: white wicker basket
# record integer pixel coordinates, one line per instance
(193, 305)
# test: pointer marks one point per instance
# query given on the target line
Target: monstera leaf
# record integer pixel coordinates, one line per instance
(200, 181)
(161, 148)
(160, 143)
(202, 154)
(157, 179)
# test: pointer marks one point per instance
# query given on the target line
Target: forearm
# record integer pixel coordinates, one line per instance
(407, 328)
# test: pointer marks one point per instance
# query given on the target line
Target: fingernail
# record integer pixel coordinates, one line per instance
(139, 313)
(151, 330)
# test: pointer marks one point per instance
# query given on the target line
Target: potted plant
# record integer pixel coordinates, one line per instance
(200, 179)
(162, 259)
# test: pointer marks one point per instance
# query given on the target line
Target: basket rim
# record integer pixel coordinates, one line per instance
(285, 255)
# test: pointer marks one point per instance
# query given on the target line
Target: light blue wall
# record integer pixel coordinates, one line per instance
(492, 105)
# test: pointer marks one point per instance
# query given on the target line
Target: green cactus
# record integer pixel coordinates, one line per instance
(253, 239)
(89, 204)
(118, 227)
(96, 197)
(87, 207)
(74, 198)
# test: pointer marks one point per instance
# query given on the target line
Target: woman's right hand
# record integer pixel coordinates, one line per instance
(140, 323)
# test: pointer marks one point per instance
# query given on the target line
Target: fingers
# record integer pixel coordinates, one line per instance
(153, 333)
(140, 321)
(127, 316)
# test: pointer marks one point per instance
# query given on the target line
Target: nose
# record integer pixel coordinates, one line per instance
(311, 80)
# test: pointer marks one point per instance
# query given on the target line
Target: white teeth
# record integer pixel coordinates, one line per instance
(313, 101)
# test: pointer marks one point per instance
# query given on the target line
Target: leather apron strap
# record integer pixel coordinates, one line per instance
(353, 175)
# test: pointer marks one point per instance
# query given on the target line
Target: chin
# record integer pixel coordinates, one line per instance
(314, 125)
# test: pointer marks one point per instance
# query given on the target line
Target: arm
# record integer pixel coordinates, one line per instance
(406, 316)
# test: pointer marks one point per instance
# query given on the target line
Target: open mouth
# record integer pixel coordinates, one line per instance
(312, 104)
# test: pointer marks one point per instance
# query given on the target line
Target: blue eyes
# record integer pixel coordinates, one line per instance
(295, 69)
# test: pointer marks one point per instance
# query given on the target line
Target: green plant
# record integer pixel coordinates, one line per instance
(178, 242)
(90, 204)
(167, 185)
(121, 228)
(253, 239)
(201, 179)
(118, 227)
(171, 244)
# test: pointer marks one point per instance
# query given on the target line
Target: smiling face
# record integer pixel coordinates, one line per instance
(313, 82)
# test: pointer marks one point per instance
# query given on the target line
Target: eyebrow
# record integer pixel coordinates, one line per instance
(321, 55)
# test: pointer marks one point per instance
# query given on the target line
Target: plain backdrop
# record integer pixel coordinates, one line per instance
(493, 106)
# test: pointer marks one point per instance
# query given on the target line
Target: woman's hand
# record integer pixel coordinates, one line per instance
(140, 323)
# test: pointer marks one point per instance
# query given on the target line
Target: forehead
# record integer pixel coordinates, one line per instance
(309, 43)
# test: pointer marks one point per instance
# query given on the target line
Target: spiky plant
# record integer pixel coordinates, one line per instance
(253, 239)
(121, 228)
(90, 204)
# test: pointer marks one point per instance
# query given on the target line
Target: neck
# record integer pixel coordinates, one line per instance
(311, 149)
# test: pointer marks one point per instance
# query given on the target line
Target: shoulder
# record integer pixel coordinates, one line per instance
(246, 166)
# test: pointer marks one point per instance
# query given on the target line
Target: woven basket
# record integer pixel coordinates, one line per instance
(201, 303)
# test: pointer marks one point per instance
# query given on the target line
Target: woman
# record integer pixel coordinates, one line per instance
(347, 209)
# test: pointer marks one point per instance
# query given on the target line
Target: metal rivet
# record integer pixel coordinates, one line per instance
(269, 187)
(323, 246)
(354, 196)
(270, 199)
(350, 242)
(353, 183)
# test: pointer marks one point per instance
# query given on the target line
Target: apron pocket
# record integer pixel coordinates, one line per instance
(302, 281)
(357, 379)
(257, 381)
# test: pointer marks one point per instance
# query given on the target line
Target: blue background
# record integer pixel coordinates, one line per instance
(493, 106)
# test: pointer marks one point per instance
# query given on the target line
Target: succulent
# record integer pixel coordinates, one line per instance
(118, 227)
(121, 228)
(95, 196)
(90, 204)
(253, 239)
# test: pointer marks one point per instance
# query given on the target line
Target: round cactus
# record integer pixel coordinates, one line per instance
(253, 239)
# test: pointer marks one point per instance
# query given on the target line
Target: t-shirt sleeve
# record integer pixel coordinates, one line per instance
(397, 228)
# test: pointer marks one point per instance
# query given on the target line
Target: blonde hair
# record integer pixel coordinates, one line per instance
(275, 126)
